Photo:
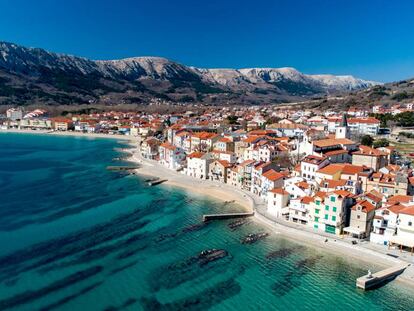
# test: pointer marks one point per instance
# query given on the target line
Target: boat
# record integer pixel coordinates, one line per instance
(151, 179)
(194, 227)
(210, 255)
(237, 223)
(157, 182)
(254, 237)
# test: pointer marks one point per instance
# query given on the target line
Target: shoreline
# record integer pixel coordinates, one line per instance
(335, 246)
(223, 192)
(70, 133)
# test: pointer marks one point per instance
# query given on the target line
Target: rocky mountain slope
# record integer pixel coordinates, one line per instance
(33, 75)
(385, 94)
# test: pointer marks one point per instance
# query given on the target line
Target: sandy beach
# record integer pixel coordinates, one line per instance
(77, 134)
(334, 245)
(375, 256)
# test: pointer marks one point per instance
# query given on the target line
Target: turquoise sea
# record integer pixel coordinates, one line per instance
(75, 236)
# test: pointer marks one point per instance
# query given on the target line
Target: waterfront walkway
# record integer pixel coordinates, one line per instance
(341, 246)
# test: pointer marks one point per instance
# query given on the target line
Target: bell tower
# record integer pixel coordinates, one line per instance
(342, 131)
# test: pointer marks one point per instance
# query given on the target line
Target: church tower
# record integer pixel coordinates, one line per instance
(342, 131)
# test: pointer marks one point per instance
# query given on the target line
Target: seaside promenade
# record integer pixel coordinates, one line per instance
(378, 256)
(363, 251)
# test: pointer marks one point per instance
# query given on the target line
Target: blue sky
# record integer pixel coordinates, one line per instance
(369, 39)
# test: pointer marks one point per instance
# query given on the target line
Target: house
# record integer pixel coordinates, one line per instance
(240, 176)
(270, 179)
(298, 187)
(149, 148)
(218, 169)
(277, 202)
(224, 144)
(329, 212)
(405, 229)
(364, 126)
(386, 217)
(198, 164)
(262, 182)
(388, 184)
(362, 215)
(299, 210)
(171, 156)
(62, 124)
(310, 164)
(370, 157)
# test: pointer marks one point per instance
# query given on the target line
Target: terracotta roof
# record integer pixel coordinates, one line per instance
(279, 191)
(306, 200)
(342, 193)
(400, 199)
(408, 211)
(333, 142)
(396, 208)
(331, 169)
(311, 159)
(368, 120)
(224, 163)
(320, 194)
(225, 140)
(196, 154)
(368, 151)
(167, 145)
(302, 184)
(334, 152)
(331, 184)
(372, 197)
(366, 206)
(272, 175)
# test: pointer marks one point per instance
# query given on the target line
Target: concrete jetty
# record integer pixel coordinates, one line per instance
(381, 277)
(122, 168)
(226, 216)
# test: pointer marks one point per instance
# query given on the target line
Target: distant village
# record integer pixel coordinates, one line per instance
(331, 173)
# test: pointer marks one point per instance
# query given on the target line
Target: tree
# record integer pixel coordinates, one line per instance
(367, 140)
(232, 119)
(381, 143)
(283, 160)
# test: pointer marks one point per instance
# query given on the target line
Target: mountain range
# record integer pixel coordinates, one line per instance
(37, 76)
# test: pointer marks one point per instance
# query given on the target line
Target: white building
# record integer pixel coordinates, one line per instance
(277, 202)
(198, 164)
(14, 114)
(311, 164)
(171, 156)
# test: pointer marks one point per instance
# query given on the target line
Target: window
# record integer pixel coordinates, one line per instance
(358, 216)
(410, 223)
(333, 218)
(318, 202)
(316, 219)
(332, 199)
(326, 208)
(326, 216)
(316, 211)
(315, 226)
(334, 209)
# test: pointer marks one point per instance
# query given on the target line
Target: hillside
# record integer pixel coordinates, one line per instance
(385, 94)
(36, 76)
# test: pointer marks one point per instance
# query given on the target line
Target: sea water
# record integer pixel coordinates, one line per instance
(75, 236)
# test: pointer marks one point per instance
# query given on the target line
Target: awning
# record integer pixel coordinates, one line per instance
(395, 239)
(354, 230)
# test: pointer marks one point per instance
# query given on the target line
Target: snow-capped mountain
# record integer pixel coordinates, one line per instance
(82, 79)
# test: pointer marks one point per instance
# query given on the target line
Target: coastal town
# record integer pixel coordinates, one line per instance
(335, 174)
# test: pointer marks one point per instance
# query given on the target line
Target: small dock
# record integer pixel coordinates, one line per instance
(226, 216)
(122, 168)
(377, 279)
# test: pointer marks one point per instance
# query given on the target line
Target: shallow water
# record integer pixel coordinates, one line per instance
(75, 236)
